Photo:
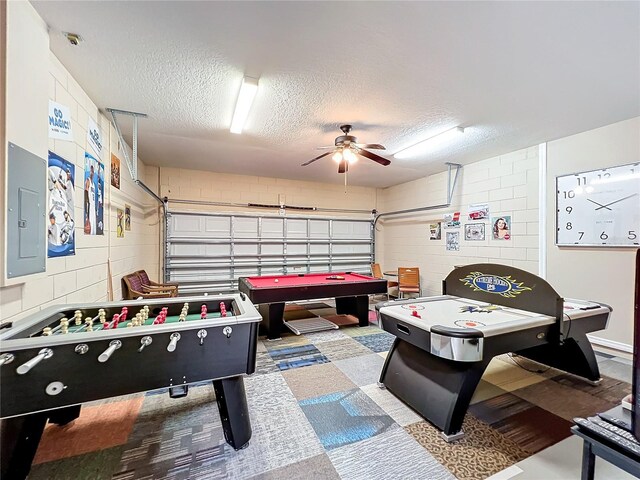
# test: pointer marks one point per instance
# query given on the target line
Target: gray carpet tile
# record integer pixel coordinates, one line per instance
(343, 348)
(315, 468)
(282, 434)
(265, 364)
(379, 342)
(396, 409)
(362, 370)
(326, 336)
(362, 460)
(616, 369)
(91, 466)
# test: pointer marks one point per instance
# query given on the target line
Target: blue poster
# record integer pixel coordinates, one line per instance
(93, 195)
(61, 239)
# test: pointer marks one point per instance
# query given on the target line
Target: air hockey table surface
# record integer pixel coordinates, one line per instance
(476, 316)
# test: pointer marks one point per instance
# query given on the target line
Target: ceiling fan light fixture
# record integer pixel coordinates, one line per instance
(248, 91)
(337, 157)
(430, 143)
(349, 156)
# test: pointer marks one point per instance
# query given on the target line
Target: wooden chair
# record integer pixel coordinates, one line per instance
(150, 286)
(132, 288)
(376, 272)
(408, 280)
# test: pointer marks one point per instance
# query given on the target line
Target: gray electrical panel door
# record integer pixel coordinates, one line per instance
(26, 209)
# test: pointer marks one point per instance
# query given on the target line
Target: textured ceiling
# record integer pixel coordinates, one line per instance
(514, 73)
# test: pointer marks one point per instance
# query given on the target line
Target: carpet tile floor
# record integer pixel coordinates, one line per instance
(317, 413)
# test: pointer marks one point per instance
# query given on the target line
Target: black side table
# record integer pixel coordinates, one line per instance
(609, 451)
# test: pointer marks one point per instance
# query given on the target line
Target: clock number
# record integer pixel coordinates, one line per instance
(632, 235)
(606, 175)
(569, 209)
(569, 226)
(603, 236)
(569, 194)
(582, 180)
(581, 235)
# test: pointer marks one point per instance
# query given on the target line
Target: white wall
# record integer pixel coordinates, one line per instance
(600, 274)
(178, 183)
(508, 183)
(34, 76)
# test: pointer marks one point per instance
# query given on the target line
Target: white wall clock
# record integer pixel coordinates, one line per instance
(599, 207)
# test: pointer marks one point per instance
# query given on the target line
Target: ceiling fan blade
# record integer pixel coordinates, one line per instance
(343, 167)
(372, 146)
(374, 157)
(317, 158)
(325, 148)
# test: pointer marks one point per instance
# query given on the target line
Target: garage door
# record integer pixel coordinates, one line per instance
(207, 252)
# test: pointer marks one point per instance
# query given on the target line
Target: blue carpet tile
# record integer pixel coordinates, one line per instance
(343, 418)
(295, 357)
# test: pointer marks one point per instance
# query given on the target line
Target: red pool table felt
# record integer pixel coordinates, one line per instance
(306, 279)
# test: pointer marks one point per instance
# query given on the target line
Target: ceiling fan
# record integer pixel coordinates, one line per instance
(347, 148)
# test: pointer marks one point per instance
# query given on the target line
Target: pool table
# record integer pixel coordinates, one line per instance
(351, 291)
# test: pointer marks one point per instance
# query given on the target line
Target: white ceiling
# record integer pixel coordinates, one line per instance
(514, 73)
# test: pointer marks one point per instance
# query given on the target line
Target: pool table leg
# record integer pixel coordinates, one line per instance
(357, 306)
(272, 318)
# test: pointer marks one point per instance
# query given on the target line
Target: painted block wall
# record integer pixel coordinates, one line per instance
(602, 274)
(178, 183)
(508, 183)
(81, 277)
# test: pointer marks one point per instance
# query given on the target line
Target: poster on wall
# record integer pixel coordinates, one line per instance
(94, 137)
(127, 217)
(120, 223)
(474, 231)
(478, 211)
(61, 239)
(453, 241)
(115, 171)
(93, 195)
(452, 220)
(501, 227)
(60, 126)
(435, 231)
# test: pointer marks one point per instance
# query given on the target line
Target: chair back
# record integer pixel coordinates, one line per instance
(376, 271)
(131, 285)
(409, 277)
(144, 278)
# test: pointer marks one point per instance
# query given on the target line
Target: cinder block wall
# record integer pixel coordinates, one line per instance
(508, 183)
(81, 277)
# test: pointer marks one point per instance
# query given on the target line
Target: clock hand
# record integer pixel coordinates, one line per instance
(605, 206)
(601, 206)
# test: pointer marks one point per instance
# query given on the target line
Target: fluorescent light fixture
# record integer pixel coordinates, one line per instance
(430, 143)
(243, 105)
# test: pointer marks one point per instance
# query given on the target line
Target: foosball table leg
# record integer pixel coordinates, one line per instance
(18, 444)
(234, 412)
(62, 416)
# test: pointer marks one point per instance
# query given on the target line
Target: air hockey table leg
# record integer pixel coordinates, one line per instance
(234, 412)
(19, 438)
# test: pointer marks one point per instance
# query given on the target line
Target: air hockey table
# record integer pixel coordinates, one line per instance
(443, 344)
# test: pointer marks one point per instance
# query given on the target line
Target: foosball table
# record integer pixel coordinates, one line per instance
(61, 357)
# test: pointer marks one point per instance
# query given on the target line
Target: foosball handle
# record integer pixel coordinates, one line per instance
(174, 341)
(106, 355)
(145, 342)
(42, 355)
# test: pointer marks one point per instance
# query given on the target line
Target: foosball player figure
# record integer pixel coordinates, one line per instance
(78, 317)
(47, 331)
(223, 309)
(64, 325)
(203, 311)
